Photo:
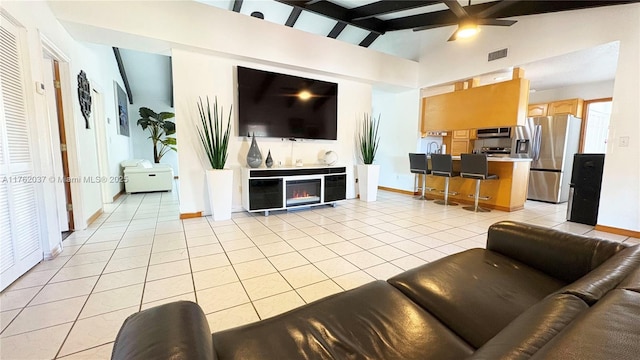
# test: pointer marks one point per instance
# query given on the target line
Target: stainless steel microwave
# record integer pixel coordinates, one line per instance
(498, 132)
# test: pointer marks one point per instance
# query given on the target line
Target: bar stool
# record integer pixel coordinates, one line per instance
(418, 165)
(475, 166)
(442, 165)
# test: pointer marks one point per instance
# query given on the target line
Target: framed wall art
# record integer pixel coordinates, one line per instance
(122, 110)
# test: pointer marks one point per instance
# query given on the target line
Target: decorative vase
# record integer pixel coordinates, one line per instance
(219, 184)
(269, 161)
(368, 176)
(254, 157)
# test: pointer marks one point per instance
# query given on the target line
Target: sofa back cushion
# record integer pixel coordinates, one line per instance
(476, 293)
(533, 329)
(562, 255)
(605, 277)
(609, 330)
(373, 321)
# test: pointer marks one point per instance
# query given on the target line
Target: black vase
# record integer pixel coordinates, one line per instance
(269, 161)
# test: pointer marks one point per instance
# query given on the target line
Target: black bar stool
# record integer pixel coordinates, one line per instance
(475, 166)
(418, 165)
(442, 165)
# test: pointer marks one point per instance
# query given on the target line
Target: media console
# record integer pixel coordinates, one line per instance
(292, 187)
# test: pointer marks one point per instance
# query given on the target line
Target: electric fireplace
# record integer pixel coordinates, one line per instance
(303, 192)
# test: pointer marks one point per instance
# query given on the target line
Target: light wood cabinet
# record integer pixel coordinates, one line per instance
(536, 110)
(473, 134)
(461, 134)
(570, 106)
(459, 147)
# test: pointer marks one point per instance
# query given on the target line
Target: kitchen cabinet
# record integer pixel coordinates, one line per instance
(473, 134)
(459, 147)
(536, 110)
(570, 106)
(461, 134)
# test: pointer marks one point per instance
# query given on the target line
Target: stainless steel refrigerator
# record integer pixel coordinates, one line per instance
(555, 139)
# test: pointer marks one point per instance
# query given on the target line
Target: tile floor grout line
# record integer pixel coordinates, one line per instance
(96, 283)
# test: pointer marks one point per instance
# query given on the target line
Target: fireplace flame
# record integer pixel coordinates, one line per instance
(300, 194)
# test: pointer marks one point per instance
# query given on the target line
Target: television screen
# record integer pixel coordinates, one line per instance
(285, 106)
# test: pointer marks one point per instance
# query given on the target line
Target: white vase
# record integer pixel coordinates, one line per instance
(368, 176)
(220, 186)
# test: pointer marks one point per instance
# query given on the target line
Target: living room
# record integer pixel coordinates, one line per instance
(205, 56)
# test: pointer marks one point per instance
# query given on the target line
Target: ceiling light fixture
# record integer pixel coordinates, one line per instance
(467, 30)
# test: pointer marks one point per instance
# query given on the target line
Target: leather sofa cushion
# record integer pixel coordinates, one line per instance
(605, 277)
(561, 255)
(632, 281)
(609, 330)
(374, 321)
(533, 329)
(178, 330)
(476, 293)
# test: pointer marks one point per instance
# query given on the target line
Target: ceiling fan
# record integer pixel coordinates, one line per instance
(468, 25)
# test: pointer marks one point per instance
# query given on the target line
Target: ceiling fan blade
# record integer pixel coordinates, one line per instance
(432, 26)
(496, 22)
(455, 8)
(454, 36)
(495, 8)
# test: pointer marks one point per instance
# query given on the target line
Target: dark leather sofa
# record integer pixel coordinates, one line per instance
(534, 293)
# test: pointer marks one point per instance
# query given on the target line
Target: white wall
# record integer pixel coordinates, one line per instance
(215, 77)
(142, 147)
(597, 90)
(398, 135)
(39, 22)
(547, 35)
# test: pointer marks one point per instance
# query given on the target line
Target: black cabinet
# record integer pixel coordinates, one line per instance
(265, 194)
(335, 187)
(584, 195)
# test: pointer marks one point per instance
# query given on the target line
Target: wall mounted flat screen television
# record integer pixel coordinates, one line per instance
(285, 106)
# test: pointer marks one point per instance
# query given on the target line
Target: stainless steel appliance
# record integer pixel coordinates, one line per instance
(554, 141)
(489, 133)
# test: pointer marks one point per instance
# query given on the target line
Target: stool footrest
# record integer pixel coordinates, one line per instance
(479, 197)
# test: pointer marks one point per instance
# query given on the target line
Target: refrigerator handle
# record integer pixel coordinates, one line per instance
(537, 136)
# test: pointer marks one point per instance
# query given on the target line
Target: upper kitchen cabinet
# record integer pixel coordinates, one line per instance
(536, 110)
(494, 105)
(571, 106)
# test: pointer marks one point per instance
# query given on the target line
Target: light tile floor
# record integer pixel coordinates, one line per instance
(138, 255)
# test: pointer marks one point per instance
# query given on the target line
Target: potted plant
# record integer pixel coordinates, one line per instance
(215, 140)
(160, 128)
(368, 174)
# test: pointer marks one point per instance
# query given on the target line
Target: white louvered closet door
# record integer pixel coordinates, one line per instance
(19, 228)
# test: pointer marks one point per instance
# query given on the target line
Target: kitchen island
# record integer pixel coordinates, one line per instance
(507, 193)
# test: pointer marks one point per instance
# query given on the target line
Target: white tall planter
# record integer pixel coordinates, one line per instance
(220, 186)
(368, 176)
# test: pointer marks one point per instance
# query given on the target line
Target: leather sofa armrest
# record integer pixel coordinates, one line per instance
(562, 255)
(177, 330)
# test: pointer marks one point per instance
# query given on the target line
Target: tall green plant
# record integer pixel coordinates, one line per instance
(212, 136)
(160, 128)
(368, 139)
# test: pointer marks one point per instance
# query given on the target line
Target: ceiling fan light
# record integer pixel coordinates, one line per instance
(467, 31)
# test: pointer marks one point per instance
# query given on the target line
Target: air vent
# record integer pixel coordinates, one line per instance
(498, 54)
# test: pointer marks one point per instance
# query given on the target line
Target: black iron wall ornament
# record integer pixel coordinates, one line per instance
(84, 96)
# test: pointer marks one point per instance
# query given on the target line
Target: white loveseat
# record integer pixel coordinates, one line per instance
(143, 176)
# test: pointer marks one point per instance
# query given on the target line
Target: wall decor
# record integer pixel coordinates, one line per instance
(123, 110)
(254, 156)
(84, 96)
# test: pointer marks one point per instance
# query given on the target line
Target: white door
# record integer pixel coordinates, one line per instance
(101, 142)
(20, 240)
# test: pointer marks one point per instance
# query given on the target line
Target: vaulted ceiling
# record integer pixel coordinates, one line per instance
(363, 22)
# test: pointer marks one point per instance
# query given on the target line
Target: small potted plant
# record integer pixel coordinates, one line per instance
(368, 174)
(215, 140)
(160, 128)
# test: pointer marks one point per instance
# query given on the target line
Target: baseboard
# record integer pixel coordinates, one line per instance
(618, 231)
(190, 215)
(53, 253)
(116, 196)
(94, 217)
(406, 192)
